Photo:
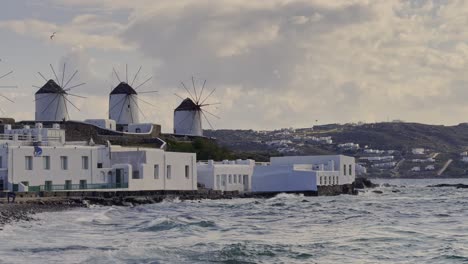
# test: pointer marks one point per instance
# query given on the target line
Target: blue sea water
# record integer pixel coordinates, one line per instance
(419, 224)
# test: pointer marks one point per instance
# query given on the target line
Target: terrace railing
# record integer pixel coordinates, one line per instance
(74, 187)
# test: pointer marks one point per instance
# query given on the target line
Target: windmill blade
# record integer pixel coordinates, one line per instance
(144, 82)
(191, 96)
(180, 122)
(54, 73)
(42, 76)
(68, 89)
(179, 96)
(195, 90)
(123, 105)
(126, 73)
(136, 75)
(148, 92)
(116, 75)
(201, 93)
(208, 96)
(211, 114)
(56, 109)
(66, 108)
(69, 80)
(79, 96)
(7, 98)
(64, 97)
(207, 120)
(139, 108)
(6, 74)
(217, 103)
(112, 108)
(145, 102)
(51, 101)
(1, 110)
(63, 74)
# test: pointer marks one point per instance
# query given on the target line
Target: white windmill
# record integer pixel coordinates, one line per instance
(6, 86)
(51, 99)
(123, 100)
(188, 115)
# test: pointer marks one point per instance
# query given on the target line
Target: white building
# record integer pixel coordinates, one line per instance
(303, 173)
(418, 151)
(227, 175)
(123, 105)
(40, 159)
(430, 167)
(416, 169)
(51, 103)
(188, 119)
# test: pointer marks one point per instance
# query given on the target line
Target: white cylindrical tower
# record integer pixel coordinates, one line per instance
(50, 103)
(187, 119)
(123, 105)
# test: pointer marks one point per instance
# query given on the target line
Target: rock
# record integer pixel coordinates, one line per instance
(361, 183)
(457, 185)
(395, 191)
(377, 191)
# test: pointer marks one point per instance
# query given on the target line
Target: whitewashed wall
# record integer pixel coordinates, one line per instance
(188, 123)
(50, 107)
(124, 110)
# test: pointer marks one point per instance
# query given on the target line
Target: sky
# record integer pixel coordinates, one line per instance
(274, 64)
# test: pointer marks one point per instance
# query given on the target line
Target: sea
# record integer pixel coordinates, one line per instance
(408, 222)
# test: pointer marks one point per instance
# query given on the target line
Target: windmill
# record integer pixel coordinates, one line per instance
(5, 87)
(51, 99)
(188, 115)
(123, 100)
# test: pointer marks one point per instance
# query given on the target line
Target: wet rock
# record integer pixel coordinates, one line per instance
(377, 191)
(361, 183)
(457, 185)
(395, 191)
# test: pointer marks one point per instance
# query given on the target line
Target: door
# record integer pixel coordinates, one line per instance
(118, 178)
(2, 185)
(245, 180)
(223, 182)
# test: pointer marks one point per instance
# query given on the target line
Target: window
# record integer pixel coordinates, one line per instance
(156, 171)
(230, 179)
(64, 162)
(68, 185)
(235, 179)
(337, 180)
(1, 163)
(2, 185)
(83, 184)
(240, 179)
(223, 180)
(136, 175)
(187, 171)
(329, 179)
(350, 169)
(28, 162)
(84, 162)
(99, 165)
(48, 185)
(321, 180)
(138, 130)
(168, 171)
(344, 169)
(218, 181)
(46, 162)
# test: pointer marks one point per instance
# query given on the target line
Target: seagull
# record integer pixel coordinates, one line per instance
(53, 35)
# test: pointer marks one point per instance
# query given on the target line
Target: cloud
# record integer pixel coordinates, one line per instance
(280, 63)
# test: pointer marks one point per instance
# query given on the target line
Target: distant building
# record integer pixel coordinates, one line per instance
(418, 151)
(416, 169)
(430, 167)
(227, 175)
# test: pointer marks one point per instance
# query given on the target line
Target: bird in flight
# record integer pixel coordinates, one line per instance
(53, 35)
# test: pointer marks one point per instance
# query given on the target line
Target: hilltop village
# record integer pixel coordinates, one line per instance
(389, 149)
(56, 154)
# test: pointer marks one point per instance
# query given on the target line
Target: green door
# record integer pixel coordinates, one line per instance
(118, 178)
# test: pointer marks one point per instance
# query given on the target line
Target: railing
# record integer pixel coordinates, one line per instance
(22, 137)
(73, 187)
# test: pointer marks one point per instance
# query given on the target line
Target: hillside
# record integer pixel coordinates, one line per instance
(391, 141)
